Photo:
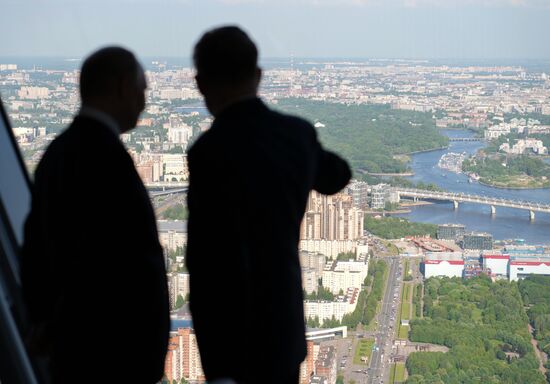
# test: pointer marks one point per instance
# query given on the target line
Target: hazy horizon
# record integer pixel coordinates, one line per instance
(410, 29)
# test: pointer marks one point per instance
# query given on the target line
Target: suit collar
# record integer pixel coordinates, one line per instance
(100, 117)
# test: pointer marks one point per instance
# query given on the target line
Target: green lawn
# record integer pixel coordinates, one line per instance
(405, 310)
(399, 373)
(392, 249)
(392, 373)
(403, 332)
(373, 325)
(406, 291)
(364, 348)
(405, 302)
(406, 269)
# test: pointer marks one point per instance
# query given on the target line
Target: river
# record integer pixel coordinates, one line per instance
(508, 223)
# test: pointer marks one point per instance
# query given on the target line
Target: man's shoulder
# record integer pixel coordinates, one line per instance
(289, 120)
(83, 139)
(203, 142)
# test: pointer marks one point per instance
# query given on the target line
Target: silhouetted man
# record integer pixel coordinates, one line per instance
(93, 270)
(250, 178)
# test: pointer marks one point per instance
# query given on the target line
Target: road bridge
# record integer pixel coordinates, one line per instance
(166, 188)
(466, 139)
(459, 197)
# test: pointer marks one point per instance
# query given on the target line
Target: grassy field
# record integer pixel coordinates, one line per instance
(373, 325)
(414, 294)
(403, 332)
(405, 309)
(405, 302)
(406, 270)
(392, 373)
(364, 348)
(399, 373)
(392, 249)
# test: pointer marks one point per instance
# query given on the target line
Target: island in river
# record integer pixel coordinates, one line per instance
(506, 171)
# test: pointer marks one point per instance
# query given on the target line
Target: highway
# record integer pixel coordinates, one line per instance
(378, 371)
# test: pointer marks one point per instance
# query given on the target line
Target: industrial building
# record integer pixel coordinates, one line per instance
(497, 264)
(523, 267)
(439, 264)
(523, 250)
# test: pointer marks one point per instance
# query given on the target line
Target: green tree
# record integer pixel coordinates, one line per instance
(179, 302)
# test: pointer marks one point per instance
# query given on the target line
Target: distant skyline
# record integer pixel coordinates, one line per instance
(430, 29)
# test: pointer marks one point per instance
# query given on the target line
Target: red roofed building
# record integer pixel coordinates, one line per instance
(450, 264)
(523, 267)
(496, 263)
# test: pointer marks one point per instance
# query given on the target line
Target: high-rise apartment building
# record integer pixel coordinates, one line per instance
(331, 218)
(358, 190)
(307, 368)
(313, 260)
(379, 196)
(183, 359)
(178, 285)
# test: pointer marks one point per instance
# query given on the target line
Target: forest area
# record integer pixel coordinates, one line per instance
(369, 136)
(484, 325)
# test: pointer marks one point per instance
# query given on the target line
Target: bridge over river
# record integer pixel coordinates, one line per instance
(457, 198)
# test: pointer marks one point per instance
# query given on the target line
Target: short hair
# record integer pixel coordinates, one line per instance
(103, 68)
(226, 55)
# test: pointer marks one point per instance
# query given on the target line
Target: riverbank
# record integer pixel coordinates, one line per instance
(508, 223)
(404, 174)
(507, 171)
(513, 187)
(416, 203)
(427, 150)
(392, 212)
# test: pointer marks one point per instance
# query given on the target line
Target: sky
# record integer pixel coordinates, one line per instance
(427, 29)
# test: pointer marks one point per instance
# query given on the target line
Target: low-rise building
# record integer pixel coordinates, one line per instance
(525, 266)
(525, 145)
(172, 234)
(439, 264)
(327, 310)
(496, 263)
(326, 364)
(341, 275)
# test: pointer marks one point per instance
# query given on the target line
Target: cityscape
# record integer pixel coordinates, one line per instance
(432, 265)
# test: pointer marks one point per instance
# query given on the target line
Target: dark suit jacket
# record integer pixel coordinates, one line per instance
(250, 178)
(92, 267)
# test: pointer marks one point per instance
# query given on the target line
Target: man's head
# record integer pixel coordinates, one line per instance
(226, 60)
(113, 81)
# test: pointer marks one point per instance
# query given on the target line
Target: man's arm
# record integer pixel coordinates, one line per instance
(332, 172)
